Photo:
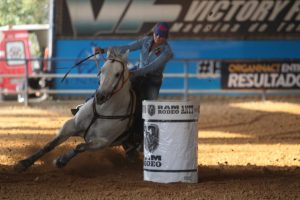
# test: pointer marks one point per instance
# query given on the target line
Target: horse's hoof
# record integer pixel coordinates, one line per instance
(21, 166)
(59, 163)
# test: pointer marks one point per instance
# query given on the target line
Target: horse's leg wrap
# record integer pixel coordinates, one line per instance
(64, 159)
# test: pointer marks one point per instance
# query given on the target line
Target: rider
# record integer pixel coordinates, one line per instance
(155, 52)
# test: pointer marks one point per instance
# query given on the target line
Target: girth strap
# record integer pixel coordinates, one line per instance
(121, 117)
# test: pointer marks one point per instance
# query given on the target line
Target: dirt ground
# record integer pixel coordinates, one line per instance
(248, 149)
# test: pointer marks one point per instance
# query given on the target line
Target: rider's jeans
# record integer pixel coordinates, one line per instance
(147, 87)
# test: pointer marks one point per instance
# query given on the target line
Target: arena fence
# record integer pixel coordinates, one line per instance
(184, 91)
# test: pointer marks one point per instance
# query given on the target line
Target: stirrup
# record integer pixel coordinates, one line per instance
(75, 110)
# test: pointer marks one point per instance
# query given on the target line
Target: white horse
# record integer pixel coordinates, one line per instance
(102, 120)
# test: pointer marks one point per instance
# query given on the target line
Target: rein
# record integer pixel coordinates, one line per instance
(77, 64)
(115, 90)
(81, 61)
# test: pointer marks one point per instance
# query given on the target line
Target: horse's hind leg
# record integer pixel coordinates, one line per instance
(65, 132)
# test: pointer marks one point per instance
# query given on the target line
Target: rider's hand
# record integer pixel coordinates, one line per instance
(98, 50)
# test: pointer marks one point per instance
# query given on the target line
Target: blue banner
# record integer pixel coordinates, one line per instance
(191, 53)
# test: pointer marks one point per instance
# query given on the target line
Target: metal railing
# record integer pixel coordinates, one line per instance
(185, 92)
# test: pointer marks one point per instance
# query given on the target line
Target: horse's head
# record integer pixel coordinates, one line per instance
(113, 75)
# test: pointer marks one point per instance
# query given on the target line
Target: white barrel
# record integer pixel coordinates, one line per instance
(170, 141)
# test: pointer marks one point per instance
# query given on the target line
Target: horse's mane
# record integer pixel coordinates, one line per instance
(117, 54)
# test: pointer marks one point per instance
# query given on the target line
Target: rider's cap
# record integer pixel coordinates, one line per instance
(161, 29)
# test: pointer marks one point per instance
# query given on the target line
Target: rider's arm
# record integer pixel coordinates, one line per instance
(135, 45)
(156, 64)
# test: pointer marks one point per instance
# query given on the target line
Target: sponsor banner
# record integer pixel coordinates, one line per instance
(188, 19)
(261, 75)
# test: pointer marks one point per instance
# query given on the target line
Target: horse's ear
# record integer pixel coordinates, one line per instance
(111, 53)
(125, 55)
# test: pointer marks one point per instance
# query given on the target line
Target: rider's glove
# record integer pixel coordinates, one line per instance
(99, 50)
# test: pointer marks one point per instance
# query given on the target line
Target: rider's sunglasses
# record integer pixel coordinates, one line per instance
(157, 35)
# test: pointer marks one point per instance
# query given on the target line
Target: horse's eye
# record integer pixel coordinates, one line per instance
(117, 75)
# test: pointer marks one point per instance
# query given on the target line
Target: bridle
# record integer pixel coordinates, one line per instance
(131, 105)
(121, 79)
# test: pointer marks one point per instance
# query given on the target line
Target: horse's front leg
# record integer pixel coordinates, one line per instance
(66, 131)
(92, 145)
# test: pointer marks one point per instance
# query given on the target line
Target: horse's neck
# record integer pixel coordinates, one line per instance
(118, 103)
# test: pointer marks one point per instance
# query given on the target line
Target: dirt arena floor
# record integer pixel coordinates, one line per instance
(248, 149)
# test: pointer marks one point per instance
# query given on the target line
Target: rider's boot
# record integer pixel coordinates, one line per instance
(131, 153)
(76, 109)
(132, 156)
